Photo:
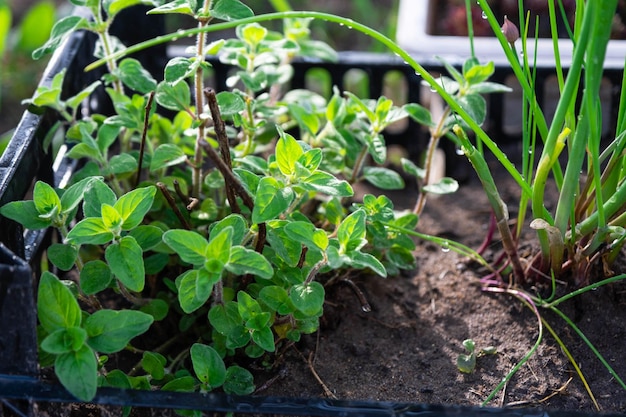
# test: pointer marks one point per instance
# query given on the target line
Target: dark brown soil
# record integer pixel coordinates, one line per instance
(406, 348)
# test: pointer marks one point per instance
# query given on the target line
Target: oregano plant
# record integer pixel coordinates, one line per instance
(221, 214)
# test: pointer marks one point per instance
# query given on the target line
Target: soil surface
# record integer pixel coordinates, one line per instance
(405, 349)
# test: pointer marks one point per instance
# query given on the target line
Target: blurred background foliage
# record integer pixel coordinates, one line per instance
(26, 24)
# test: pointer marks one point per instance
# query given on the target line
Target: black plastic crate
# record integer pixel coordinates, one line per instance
(25, 161)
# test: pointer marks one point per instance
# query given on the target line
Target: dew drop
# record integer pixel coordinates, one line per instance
(459, 151)
(445, 247)
(483, 15)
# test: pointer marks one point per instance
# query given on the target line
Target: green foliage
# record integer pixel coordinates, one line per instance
(228, 219)
(466, 362)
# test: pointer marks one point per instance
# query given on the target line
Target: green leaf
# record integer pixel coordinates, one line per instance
(5, 26)
(452, 71)
(74, 194)
(97, 194)
(239, 381)
(238, 225)
(110, 331)
(401, 257)
(77, 99)
(208, 365)
(272, 199)
(35, 27)
(277, 299)
(186, 285)
(62, 341)
(173, 97)
(334, 211)
(176, 6)
(479, 73)
(190, 246)
(420, 114)
(117, 379)
(122, 164)
(410, 168)
(328, 184)
(113, 7)
(225, 318)
(47, 201)
(78, 372)
(205, 280)
(264, 338)
(154, 364)
(288, 150)
(383, 178)
(61, 30)
(111, 219)
(230, 103)
(318, 49)
(157, 308)
(475, 105)
(62, 255)
(308, 298)
(377, 148)
(230, 10)
(50, 96)
(182, 384)
(133, 75)
(218, 249)
(95, 276)
(179, 68)
(307, 234)
(307, 120)
(26, 214)
(287, 249)
(125, 260)
(167, 155)
(147, 236)
(134, 205)
(446, 185)
(351, 231)
(248, 306)
(362, 106)
(366, 260)
(245, 261)
(487, 87)
(311, 159)
(57, 307)
(90, 230)
(466, 363)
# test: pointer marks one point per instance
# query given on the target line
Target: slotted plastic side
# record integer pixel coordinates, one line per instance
(18, 343)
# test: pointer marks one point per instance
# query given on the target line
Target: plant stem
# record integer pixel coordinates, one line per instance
(498, 206)
(144, 133)
(358, 165)
(172, 203)
(199, 87)
(430, 156)
(222, 140)
(105, 38)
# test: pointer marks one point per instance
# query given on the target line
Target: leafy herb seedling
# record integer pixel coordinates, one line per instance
(466, 362)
